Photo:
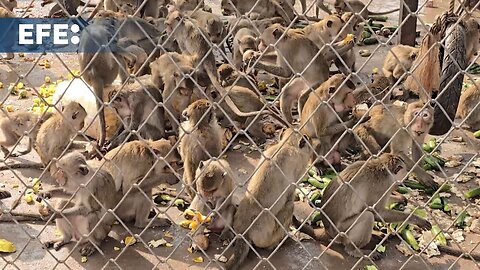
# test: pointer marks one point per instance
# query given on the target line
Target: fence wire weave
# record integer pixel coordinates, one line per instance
(249, 134)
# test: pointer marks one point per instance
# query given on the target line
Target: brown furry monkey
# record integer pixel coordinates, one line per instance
(357, 6)
(81, 216)
(382, 127)
(345, 205)
(398, 61)
(200, 139)
(266, 189)
(137, 168)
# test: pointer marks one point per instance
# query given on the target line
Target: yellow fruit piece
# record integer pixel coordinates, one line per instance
(185, 223)
(36, 187)
(348, 39)
(70, 76)
(7, 246)
(28, 198)
(20, 85)
(116, 248)
(84, 259)
(189, 214)
(36, 101)
(130, 240)
(9, 108)
(193, 225)
(57, 233)
(168, 245)
(1, 84)
(15, 186)
(198, 259)
(375, 71)
(47, 79)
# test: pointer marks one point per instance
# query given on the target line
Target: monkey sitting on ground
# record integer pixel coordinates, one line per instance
(300, 54)
(345, 205)
(398, 61)
(130, 7)
(215, 183)
(56, 133)
(131, 167)
(319, 114)
(138, 105)
(200, 139)
(175, 74)
(271, 187)
(382, 127)
(81, 216)
(15, 125)
(212, 25)
(376, 90)
(468, 109)
(258, 9)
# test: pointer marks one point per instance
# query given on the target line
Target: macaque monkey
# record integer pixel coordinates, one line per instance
(192, 42)
(245, 39)
(146, 164)
(229, 76)
(15, 125)
(398, 61)
(320, 114)
(7, 40)
(101, 69)
(472, 38)
(8, 4)
(200, 139)
(215, 183)
(357, 6)
(138, 106)
(211, 24)
(81, 216)
(56, 133)
(138, 68)
(345, 205)
(175, 74)
(247, 101)
(382, 127)
(271, 187)
(330, 30)
(296, 51)
(468, 109)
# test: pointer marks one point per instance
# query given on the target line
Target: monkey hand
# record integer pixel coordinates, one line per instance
(250, 56)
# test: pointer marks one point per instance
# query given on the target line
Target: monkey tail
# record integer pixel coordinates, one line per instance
(382, 12)
(239, 255)
(457, 253)
(214, 79)
(37, 166)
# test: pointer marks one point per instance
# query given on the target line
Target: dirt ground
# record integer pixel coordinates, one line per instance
(292, 254)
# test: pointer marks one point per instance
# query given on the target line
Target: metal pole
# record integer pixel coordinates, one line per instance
(408, 32)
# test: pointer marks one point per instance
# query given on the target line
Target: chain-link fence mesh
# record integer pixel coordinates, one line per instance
(244, 134)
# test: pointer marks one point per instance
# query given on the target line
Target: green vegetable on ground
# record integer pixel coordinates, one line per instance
(439, 236)
(460, 221)
(474, 192)
(477, 134)
(315, 217)
(407, 235)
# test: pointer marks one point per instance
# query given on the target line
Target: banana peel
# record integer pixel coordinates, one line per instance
(193, 219)
(7, 246)
(349, 38)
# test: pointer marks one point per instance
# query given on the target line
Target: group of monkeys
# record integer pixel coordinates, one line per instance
(176, 88)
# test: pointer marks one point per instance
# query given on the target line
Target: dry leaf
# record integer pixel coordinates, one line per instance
(157, 243)
(220, 258)
(84, 259)
(7, 246)
(198, 259)
(130, 240)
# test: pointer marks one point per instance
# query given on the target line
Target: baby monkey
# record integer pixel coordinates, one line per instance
(215, 183)
(13, 126)
(96, 194)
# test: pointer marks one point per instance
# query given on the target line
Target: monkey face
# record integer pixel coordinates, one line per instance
(270, 36)
(422, 122)
(198, 110)
(340, 6)
(227, 8)
(343, 99)
(172, 20)
(122, 106)
(127, 8)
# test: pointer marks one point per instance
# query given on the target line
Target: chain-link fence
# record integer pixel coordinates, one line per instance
(245, 134)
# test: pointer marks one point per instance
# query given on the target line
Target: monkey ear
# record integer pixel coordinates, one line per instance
(201, 165)
(329, 23)
(83, 169)
(74, 115)
(413, 56)
(277, 33)
(332, 89)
